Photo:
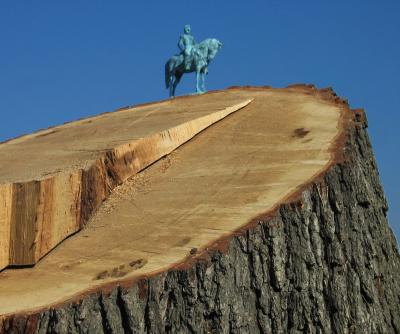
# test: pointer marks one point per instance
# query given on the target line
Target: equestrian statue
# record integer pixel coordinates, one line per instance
(192, 58)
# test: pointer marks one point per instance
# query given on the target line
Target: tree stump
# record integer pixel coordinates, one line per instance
(247, 210)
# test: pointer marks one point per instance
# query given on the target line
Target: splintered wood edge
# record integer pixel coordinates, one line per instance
(83, 190)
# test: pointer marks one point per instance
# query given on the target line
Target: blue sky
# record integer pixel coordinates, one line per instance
(63, 60)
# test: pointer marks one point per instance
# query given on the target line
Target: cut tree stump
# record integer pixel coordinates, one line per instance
(271, 220)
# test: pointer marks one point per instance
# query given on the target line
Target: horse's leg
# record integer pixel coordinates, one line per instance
(178, 76)
(198, 90)
(203, 81)
(172, 86)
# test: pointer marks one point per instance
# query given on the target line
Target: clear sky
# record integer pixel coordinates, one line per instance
(63, 60)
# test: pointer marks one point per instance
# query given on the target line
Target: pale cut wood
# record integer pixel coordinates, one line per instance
(175, 209)
(37, 214)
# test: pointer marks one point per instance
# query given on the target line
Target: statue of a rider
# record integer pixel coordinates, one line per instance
(186, 44)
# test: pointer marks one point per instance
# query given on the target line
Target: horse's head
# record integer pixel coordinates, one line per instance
(214, 46)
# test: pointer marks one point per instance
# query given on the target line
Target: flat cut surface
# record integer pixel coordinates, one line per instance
(216, 183)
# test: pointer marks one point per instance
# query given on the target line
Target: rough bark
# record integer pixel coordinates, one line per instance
(325, 263)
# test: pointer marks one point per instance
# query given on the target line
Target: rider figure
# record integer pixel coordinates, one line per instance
(186, 44)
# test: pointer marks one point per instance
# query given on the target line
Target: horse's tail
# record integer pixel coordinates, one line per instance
(167, 74)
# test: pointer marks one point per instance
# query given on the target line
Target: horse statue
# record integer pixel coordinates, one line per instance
(201, 57)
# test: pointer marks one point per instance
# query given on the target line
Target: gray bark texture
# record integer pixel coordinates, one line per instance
(324, 263)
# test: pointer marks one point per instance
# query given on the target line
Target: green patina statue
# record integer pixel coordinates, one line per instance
(193, 58)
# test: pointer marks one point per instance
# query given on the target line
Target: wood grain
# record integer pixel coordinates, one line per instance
(194, 199)
(37, 214)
